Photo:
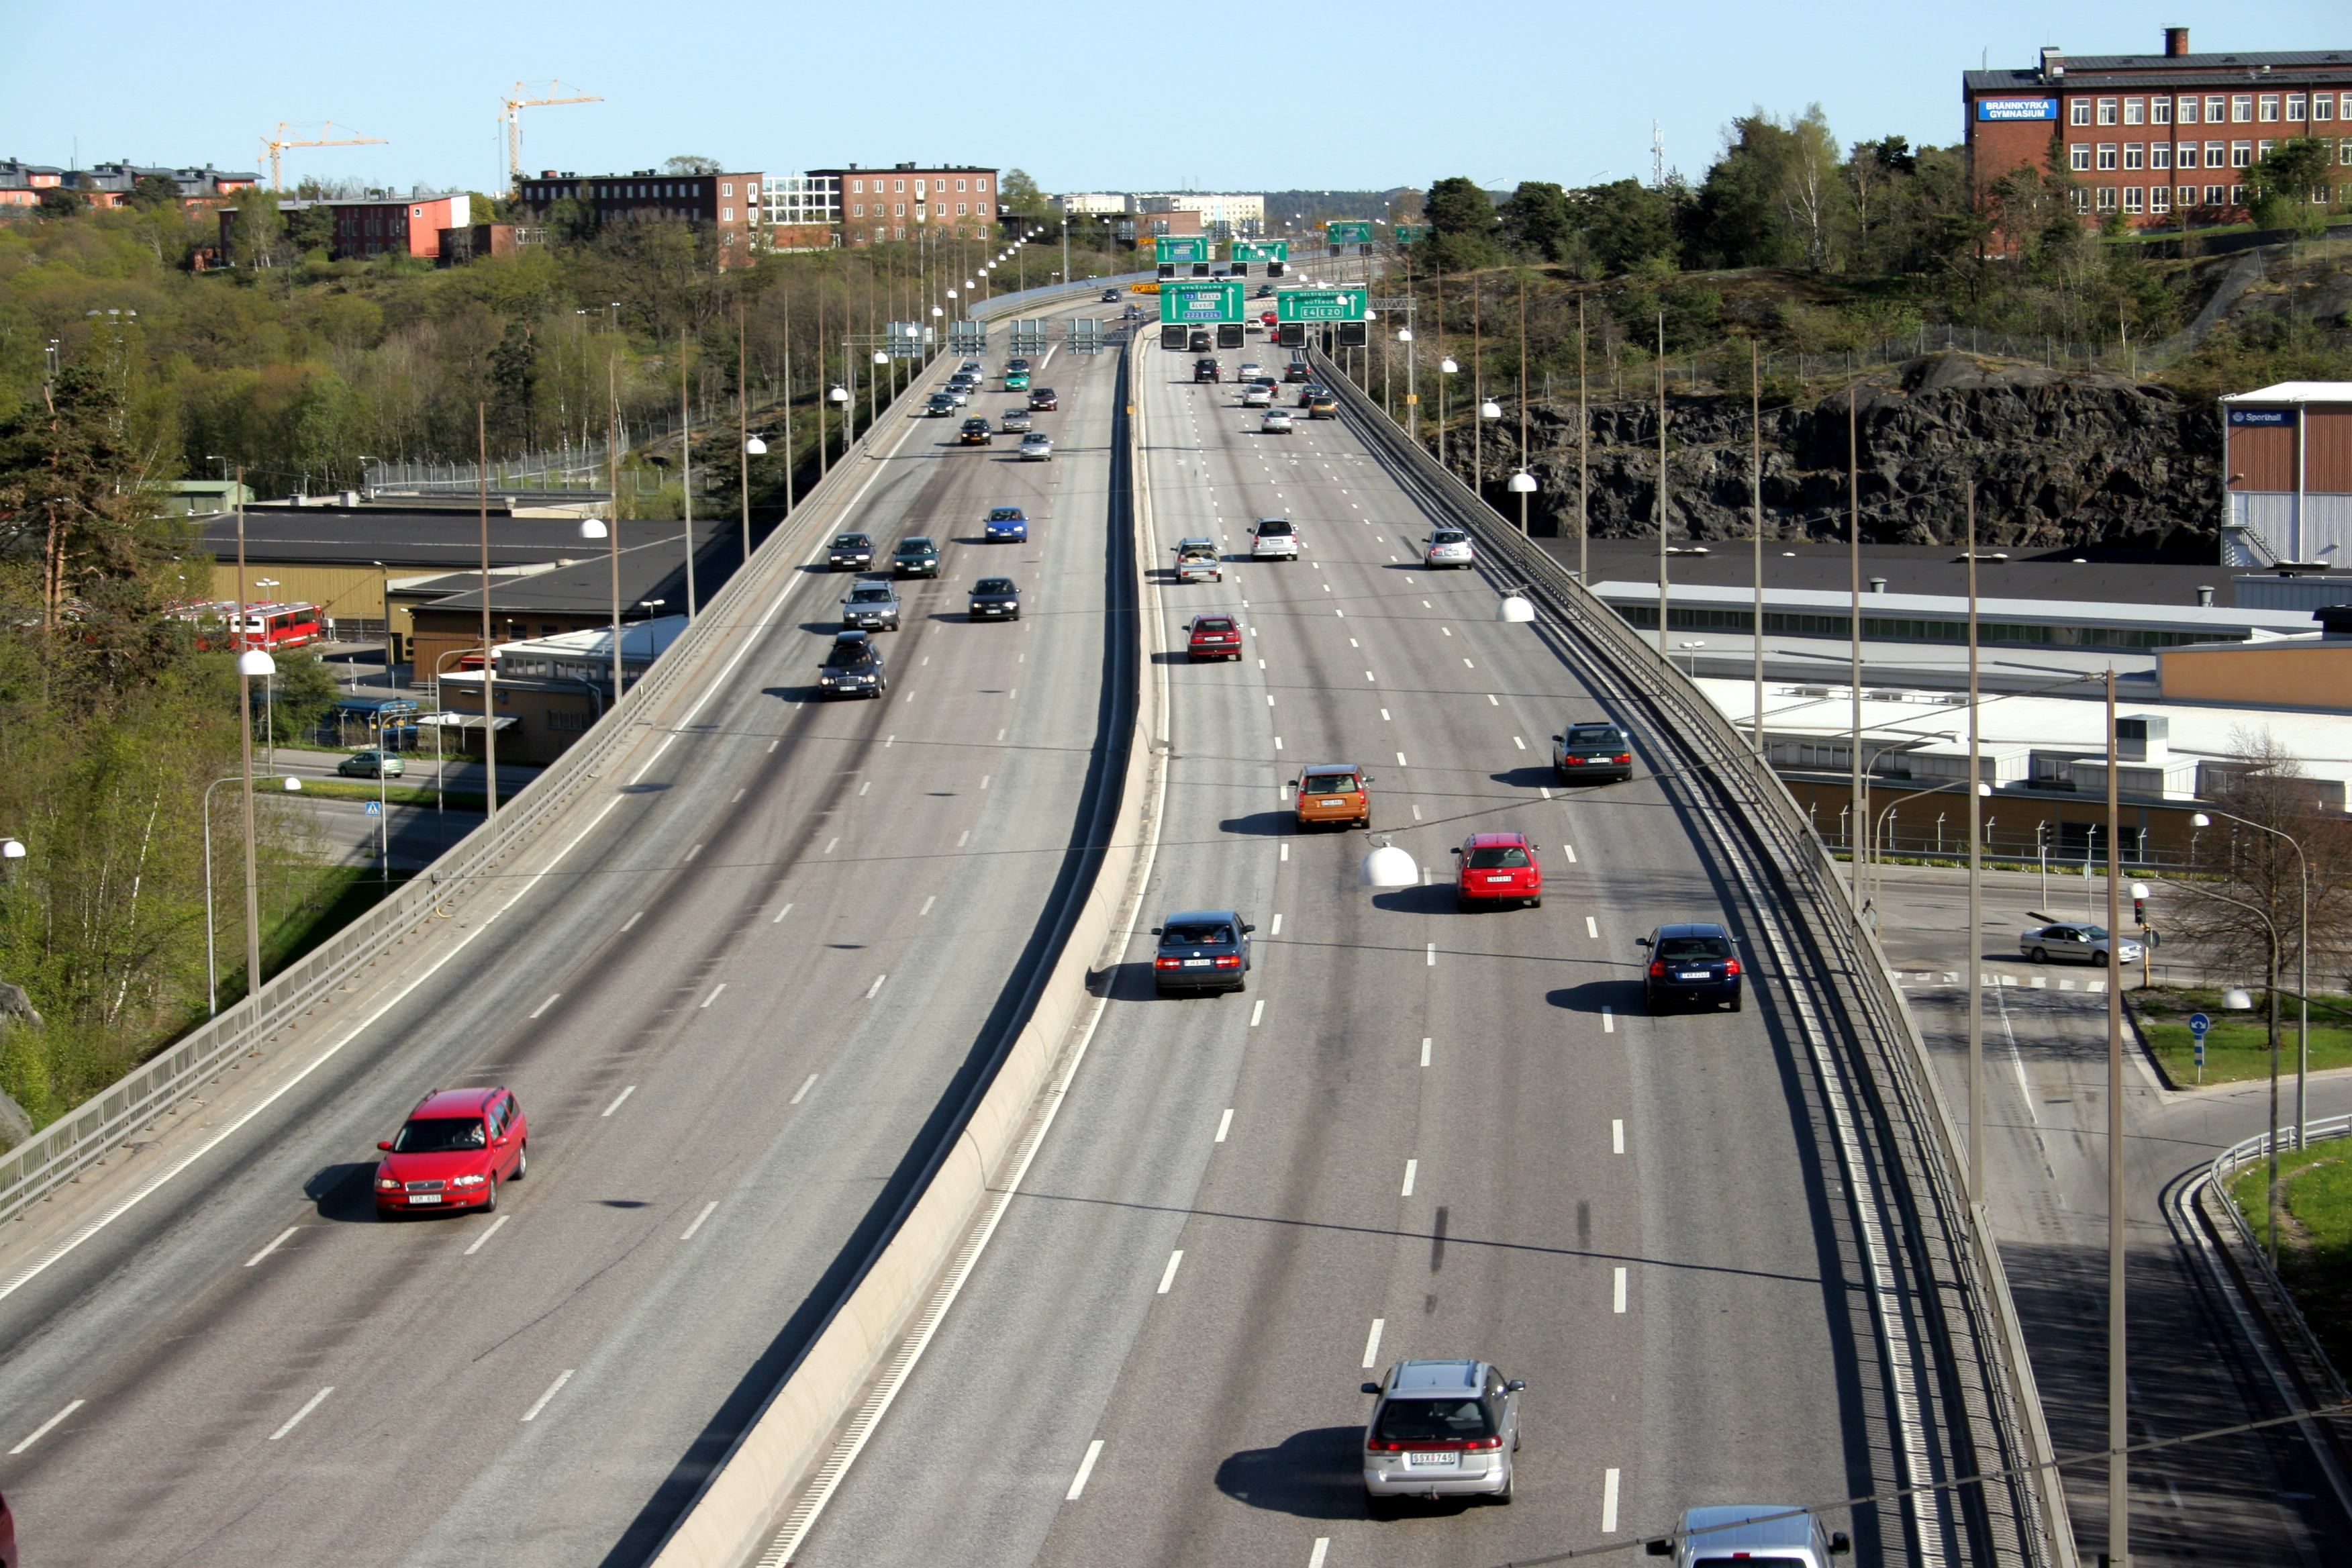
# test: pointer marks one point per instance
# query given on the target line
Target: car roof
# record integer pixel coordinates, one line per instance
(850, 637)
(1186, 916)
(1436, 1377)
(1330, 768)
(1496, 840)
(456, 1101)
(1795, 1530)
(1694, 928)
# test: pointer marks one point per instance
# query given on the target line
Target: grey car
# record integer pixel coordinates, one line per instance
(1592, 753)
(1441, 1428)
(849, 552)
(2069, 940)
(1201, 950)
(1754, 1533)
(1016, 422)
(372, 764)
(872, 606)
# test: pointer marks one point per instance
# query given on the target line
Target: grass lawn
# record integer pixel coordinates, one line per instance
(395, 793)
(2316, 1236)
(2238, 1045)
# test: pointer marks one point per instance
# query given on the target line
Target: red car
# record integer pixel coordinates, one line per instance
(1496, 868)
(7, 1536)
(454, 1150)
(1213, 637)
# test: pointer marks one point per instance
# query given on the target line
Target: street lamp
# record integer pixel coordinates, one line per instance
(593, 528)
(1390, 867)
(1523, 485)
(13, 851)
(1688, 647)
(2302, 972)
(1515, 609)
(1446, 370)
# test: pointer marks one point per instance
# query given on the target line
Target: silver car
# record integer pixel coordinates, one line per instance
(1447, 547)
(1016, 422)
(1760, 1533)
(1277, 422)
(1274, 539)
(2062, 938)
(1256, 397)
(1036, 448)
(1441, 1428)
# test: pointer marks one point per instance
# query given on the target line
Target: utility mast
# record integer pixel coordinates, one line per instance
(1657, 156)
(532, 95)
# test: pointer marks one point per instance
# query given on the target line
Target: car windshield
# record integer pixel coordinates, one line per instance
(993, 585)
(1329, 784)
(874, 595)
(1045, 392)
(1594, 735)
(440, 1135)
(1422, 1420)
(1502, 858)
(1693, 947)
(1006, 514)
(1197, 933)
(846, 655)
(915, 547)
(851, 542)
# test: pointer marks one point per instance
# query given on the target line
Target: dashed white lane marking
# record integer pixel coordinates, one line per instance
(1168, 1275)
(278, 1242)
(1619, 1290)
(1277, 926)
(1269, 699)
(781, 914)
(801, 1093)
(962, 838)
(544, 1007)
(1424, 1050)
(1286, 852)
(1447, 630)
(1433, 955)
(616, 1100)
(1384, 715)
(1372, 1342)
(774, 743)
(45, 1427)
(295, 1420)
(1518, 743)
(633, 920)
(553, 1390)
(1224, 1123)
(488, 1231)
(874, 990)
(1278, 742)
(1592, 928)
(831, 842)
(1401, 759)
(1571, 853)
(1608, 1022)
(1322, 1546)
(984, 778)
(1416, 813)
(693, 852)
(1609, 1503)
(1085, 1469)
(1411, 1168)
(707, 1001)
(1368, 675)
(1257, 1011)
(1544, 790)
(1467, 664)
(863, 787)
(926, 906)
(1617, 1135)
(707, 1210)
(1492, 702)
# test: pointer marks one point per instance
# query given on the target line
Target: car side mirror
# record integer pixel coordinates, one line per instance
(384, 1144)
(1247, 928)
(1517, 1385)
(1372, 1388)
(1558, 739)
(1455, 851)
(1640, 941)
(1155, 931)
(1665, 1548)
(498, 1142)
(1839, 1544)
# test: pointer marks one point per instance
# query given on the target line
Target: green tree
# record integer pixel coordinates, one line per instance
(258, 233)
(305, 691)
(690, 164)
(1628, 223)
(514, 384)
(152, 191)
(1017, 193)
(1461, 224)
(2290, 186)
(62, 201)
(1737, 218)
(1536, 221)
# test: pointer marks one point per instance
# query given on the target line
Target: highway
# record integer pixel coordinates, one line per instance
(1420, 1133)
(736, 1009)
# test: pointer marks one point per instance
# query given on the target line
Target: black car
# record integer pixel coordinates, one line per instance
(1592, 754)
(915, 557)
(1110, 296)
(1691, 963)
(1043, 401)
(1297, 370)
(1198, 342)
(852, 667)
(994, 599)
(1206, 370)
(1201, 950)
(976, 433)
(940, 407)
(849, 552)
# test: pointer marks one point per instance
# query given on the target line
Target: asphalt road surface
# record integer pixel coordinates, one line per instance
(732, 1014)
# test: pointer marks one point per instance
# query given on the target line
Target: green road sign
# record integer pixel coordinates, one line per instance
(1319, 305)
(1180, 252)
(1200, 301)
(1411, 233)
(1261, 250)
(1347, 233)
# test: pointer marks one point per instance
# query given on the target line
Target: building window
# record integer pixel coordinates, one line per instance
(2189, 109)
(726, 215)
(2107, 154)
(2107, 111)
(2216, 195)
(2160, 198)
(2082, 203)
(980, 185)
(2188, 155)
(2344, 152)
(857, 209)
(2216, 155)
(2160, 111)
(2135, 111)
(857, 186)
(899, 186)
(727, 189)
(982, 207)
(2131, 198)
(2078, 111)
(2135, 155)
(2241, 154)
(2322, 106)
(2295, 110)
(2237, 195)
(2269, 107)
(2106, 198)
(2078, 157)
(2159, 155)
(899, 209)
(2187, 196)
(960, 185)
(2241, 107)
(2216, 110)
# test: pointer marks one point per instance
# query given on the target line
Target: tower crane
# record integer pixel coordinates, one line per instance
(321, 134)
(532, 95)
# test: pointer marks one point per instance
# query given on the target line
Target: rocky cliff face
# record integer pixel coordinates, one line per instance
(2057, 459)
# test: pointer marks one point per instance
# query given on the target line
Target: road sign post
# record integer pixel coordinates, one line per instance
(2198, 1025)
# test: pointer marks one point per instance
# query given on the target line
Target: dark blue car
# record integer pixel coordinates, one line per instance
(1202, 950)
(1007, 525)
(1691, 963)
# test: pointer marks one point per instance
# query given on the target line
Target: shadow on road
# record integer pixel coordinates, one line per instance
(1314, 1474)
(1620, 996)
(340, 1192)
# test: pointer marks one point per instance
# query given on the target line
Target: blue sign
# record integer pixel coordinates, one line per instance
(2198, 1024)
(2016, 109)
(375, 808)
(2259, 416)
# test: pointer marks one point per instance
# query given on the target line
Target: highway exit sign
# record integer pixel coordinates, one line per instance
(1200, 301)
(1319, 305)
(1411, 233)
(1261, 250)
(1347, 233)
(1181, 251)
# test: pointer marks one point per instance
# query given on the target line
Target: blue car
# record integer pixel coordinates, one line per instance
(1693, 961)
(1006, 525)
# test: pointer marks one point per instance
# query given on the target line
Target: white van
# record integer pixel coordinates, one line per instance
(1750, 1535)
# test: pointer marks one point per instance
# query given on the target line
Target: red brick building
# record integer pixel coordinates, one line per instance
(905, 200)
(379, 226)
(2162, 138)
(727, 205)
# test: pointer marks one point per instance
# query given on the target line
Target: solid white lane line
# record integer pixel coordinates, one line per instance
(1424, 1050)
(1322, 1546)
(1411, 1168)
(806, 1084)
(1621, 1290)
(1224, 1123)
(296, 1419)
(1592, 928)
(544, 1007)
(1372, 1342)
(617, 1098)
(707, 1001)
(1608, 1022)
(1277, 925)
(633, 920)
(278, 1242)
(1433, 955)
(1617, 1135)
(1609, 1503)
(1257, 1011)
(926, 906)
(706, 1210)
(1168, 1275)
(874, 989)
(44, 1429)
(781, 914)
(488, 1231)
(693, 852)
(1085, 1469)
(541, 1403)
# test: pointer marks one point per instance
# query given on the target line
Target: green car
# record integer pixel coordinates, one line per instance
(1016, 381)
(915, 557)
(371, 764)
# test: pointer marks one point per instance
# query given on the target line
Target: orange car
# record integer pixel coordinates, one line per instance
(1333, 791)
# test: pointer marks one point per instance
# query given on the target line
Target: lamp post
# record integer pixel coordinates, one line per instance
(1446, 370)
(13, 851)
(1881, 823)
(252, 663)
(840, 398)
(1691, 648)
(2302, 972)
(1411, 387)
(1523, 485)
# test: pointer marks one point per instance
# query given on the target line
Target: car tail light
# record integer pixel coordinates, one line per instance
(1480, 1444)
(1166, 963)
(1573, 762)
(1731, 968)
(1657, 969)
(1229, 961)
(1624, 756)
(1383, 1446)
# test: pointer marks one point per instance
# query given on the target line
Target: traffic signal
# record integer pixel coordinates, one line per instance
(1273, 270)
(1241, 268)
(1168, 270)
(1351, 334)
(1229, 334)
(1173, 336)
(1290, 335)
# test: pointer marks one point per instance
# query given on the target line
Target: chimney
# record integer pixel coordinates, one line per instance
(1878, 584)
(2143, 739)
(2054, 64)
(2175, 42)
(2204, 596)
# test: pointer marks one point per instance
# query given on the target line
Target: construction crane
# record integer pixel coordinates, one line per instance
(532, 95)
(319, 135)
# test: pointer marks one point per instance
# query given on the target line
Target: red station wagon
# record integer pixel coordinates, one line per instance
(454, 1150)
(1493, 868)
(1213, 637)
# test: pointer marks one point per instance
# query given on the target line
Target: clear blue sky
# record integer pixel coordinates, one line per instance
(1084, 96)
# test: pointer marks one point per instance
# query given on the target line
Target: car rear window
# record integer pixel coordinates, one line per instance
(1449, 536)
(1693, 947)
(1198, 933)
(1745, 1560)
(1421, 1420)
(1329, 784)
(1272, 526)
(1594, 735)
(440, 1135)
(1212, 624)
(1498, 857)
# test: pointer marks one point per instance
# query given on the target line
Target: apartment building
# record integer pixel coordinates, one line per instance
(727, 204)
(802, 212)
(1224, 215)
(110, 185)
(880, 205)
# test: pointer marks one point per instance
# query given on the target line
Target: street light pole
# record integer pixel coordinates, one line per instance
(2302, 984)
(2118, 1386)
(743, 422)
(1661, 502)
(1974, 975)
(686, 464)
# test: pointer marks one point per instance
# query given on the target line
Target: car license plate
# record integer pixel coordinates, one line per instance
(1197, 963)
(1693, 974)
(1332, 803)
(1433, 1461)
(425, 1198)
(1498, 879)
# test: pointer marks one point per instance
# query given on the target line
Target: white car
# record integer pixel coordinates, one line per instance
(1277, 422)
(1251, 371)
(1036, 448)
(1274, 539)
(1256, 397)
(1447, 547)
(959, 396)
(2065, 939)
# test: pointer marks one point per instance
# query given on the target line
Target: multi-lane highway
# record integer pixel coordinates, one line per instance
(736, 1010)
(1420, 1133)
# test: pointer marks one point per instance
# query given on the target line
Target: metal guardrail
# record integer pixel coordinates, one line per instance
(62, 1151)
(2226, 1168)
(1772, 813)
